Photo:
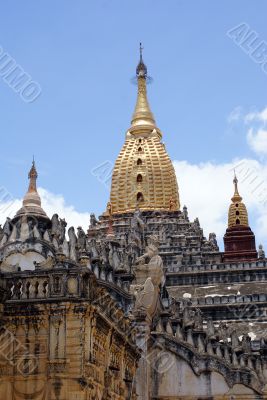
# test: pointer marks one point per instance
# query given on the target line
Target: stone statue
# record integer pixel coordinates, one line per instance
(132, 253)
(185, 213)
(196, 223)
(137, 228)
(103, 252)
(246, 343)
(7, 228)
(58, 229)
(261, 252)
(144, 296)
(93, 220)
(188, 317)
(149, 276)
(210, 329)
(234, 340)
(213, 241)
(55, 225)
(13, 235)
(24, 229)
(72, 243)
(113, 257)
(198, 320)
(81, 238)
(93, 249)
(151, 252)
(61, 230)
(109, 209)
(65, 248)
(222, 331)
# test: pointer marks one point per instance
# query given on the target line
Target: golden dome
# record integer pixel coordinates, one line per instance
(143, 176)
(237, 214)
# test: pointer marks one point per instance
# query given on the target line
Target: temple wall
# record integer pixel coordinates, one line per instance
(176, 380)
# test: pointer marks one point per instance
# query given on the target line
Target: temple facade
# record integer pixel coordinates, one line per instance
(142, 305)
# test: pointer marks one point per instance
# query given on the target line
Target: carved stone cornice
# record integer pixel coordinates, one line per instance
(203, 362)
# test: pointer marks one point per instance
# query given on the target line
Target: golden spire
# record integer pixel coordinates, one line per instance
(236, 197)
(32, 201)
(143, 176)
(142, 116)
(237, 214)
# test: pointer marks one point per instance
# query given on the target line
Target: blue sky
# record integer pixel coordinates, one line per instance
(84, 53)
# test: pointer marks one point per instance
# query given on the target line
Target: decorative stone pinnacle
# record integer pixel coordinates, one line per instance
(32, 201)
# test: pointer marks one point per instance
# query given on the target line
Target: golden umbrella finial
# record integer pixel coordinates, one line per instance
(142, 116)
(236, 196)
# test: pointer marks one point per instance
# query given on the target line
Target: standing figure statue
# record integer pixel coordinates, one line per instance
(149, 276)
(113, 257)
(93, 249)
(137, 228)
(151, 252)
(81, 238)
(103, 252)
(62, 229)
(93, 220)
(213, 241)
(7, 228)
(198, 320)
(109, 209)
(55, 225)
(72, 243)
(261, 252)
(58, 229)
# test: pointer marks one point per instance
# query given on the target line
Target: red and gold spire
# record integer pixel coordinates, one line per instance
(239, 240)
(237, 214)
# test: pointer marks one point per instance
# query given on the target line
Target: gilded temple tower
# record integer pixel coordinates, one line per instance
(143, 175)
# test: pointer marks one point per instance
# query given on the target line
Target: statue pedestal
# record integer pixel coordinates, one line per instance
(142, 379)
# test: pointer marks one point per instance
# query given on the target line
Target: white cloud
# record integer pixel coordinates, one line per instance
(51, 203)
(207, 188)
(257, 140)
(260, 116)
(55, 203)
(235, 115)
(257, 132)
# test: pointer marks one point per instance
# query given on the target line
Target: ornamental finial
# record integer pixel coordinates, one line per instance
(236, 196)
(32, 177)
(141, 51)
(142, 117)
(31, 204)
(141, 69)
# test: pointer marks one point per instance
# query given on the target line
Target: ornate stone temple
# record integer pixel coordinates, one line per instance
(142, 305)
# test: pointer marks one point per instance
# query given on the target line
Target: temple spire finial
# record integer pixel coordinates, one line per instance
(142, 117)
(31, 204)
(236, 196)
(33, 178)
(141, 51)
